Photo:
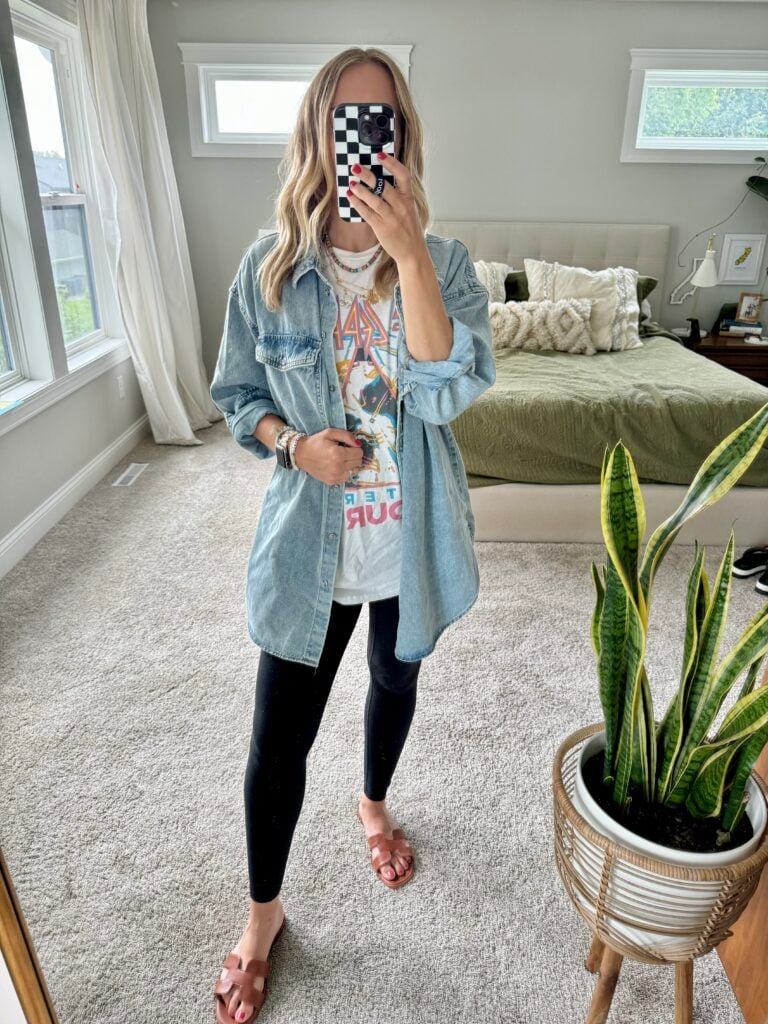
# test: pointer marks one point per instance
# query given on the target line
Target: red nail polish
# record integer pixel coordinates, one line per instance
(382, 156)
(356, 168)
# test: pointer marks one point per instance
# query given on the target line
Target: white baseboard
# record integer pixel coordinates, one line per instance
(34, 527)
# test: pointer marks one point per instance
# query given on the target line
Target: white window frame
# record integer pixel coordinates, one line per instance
(204, 63)
(46, 369)
(716, 61)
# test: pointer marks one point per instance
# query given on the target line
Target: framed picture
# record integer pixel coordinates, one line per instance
(742, 259)
(748, 307)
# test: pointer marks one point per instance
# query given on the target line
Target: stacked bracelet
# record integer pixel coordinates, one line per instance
(292, 444)
(285, 446)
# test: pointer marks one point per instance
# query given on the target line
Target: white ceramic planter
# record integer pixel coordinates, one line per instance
(660, 913)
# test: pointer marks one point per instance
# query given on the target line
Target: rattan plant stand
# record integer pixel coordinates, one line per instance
(622, 895)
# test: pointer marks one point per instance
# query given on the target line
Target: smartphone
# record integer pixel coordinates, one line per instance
(361, 130)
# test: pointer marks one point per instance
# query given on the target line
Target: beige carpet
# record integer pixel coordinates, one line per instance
(127, 688)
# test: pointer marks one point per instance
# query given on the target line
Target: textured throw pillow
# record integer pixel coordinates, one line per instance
(516, 287)
(492, 276)
(615, 306)
(561, 326)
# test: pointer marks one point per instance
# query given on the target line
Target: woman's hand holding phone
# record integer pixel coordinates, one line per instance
(329, 455)
(393, 214)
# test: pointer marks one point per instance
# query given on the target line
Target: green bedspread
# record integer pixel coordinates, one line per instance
(549, 415)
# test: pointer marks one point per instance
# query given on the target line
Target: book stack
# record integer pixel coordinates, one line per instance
(738, 328)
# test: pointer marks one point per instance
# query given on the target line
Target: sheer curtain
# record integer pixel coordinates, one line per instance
(139, 201)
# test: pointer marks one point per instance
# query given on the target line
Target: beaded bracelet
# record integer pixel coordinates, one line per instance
(292, 447)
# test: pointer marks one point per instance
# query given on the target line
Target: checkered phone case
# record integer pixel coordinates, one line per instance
(360, 131)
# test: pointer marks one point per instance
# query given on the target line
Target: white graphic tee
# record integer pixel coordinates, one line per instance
(365, 346)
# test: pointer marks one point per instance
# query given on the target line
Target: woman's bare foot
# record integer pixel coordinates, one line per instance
(376, 818)
(264, 920)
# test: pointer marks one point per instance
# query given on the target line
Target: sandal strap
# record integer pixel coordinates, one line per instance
(247, 994)
(395, 846)
(242, 978)
(379, 860)
(392, 846)
(397, 841)
(257, 968)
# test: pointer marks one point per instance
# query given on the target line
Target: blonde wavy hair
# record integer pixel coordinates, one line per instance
(308, 176)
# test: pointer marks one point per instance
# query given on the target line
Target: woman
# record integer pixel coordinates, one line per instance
(373, 511)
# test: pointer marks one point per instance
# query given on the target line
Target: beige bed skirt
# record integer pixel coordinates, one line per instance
(570, 514)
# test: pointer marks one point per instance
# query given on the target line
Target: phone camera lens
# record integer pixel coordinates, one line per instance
(373, 130)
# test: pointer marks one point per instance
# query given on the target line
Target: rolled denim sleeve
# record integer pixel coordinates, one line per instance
(239, 387)
(439, 390)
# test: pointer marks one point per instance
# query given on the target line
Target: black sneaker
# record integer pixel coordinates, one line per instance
(761, 583)
(753, 560)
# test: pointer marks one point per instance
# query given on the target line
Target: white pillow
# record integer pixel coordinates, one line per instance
(561, 326)
(615, 309)
(492, 276)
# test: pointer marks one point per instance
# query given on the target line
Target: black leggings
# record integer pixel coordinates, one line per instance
(290, 700)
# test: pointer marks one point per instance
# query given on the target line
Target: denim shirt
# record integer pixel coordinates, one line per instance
(283, 362)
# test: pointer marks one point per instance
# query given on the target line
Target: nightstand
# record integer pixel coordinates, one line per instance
(736, 354)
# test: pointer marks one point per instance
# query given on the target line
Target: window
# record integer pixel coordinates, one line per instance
(60, 321)
(704, 106)
(61, 196)
(242, 99)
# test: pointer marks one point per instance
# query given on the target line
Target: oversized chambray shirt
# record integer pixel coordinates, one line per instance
(283, 362)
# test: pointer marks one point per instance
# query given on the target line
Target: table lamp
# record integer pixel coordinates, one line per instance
(705, 277)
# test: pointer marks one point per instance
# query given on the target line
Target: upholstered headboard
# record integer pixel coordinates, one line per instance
(594, 246)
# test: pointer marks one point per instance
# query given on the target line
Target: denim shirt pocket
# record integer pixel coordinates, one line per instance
(295, 374)
(288, 351)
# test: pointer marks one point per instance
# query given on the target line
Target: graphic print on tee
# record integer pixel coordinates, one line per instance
(366, 363)
(365, 353)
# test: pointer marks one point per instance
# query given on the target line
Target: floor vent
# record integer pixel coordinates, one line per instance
(129, 475)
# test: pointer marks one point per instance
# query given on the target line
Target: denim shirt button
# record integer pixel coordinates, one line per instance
(332, 387)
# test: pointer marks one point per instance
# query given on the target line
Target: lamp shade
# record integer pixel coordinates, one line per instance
(706, 275)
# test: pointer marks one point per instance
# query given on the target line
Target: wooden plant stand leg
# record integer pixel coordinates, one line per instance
(684, 992)
(610, 965)
(595, 955)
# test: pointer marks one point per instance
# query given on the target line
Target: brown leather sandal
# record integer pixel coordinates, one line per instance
(242, 976)
(397, 844)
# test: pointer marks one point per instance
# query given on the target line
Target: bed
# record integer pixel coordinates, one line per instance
(532, 444)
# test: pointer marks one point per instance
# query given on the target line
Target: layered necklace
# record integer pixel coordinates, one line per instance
(349, 295)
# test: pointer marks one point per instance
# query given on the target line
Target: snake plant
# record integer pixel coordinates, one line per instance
(675, 761)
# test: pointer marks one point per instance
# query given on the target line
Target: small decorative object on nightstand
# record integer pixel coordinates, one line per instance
(748, 309)
(705, 277)
(745, 322)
